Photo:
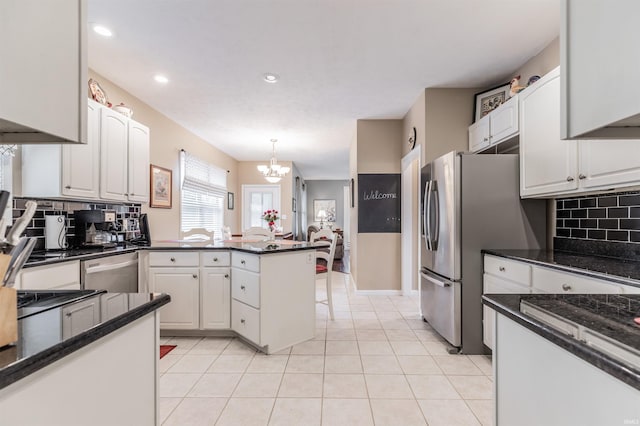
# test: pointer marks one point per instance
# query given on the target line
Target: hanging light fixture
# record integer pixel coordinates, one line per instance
(274, 171)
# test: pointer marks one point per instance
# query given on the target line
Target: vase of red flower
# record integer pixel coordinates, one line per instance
(271, 216)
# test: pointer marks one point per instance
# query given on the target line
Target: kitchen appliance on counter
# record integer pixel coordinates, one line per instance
(115, 274)
(55, 232)
(469, 203)
(94, 228)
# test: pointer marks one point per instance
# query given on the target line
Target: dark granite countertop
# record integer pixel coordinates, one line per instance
(257, 247)
(41, 340)
(624, 271)
(610, 316)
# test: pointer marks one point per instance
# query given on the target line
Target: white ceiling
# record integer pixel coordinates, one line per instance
(338, 60)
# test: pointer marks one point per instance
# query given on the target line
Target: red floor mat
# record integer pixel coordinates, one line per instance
(165, 349)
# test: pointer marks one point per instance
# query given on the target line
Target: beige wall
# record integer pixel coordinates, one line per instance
(542, 63)
(167, 138)
(248, 174)
(377, 256)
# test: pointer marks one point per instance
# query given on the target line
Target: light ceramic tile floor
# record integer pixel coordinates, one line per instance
(377, 363)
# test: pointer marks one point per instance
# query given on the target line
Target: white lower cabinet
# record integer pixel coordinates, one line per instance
(215, 307)
(245, 321)
(80, 316)
(60, 276)
(183, 285)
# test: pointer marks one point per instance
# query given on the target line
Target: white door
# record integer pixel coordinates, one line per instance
(410, 214)
(256, 199)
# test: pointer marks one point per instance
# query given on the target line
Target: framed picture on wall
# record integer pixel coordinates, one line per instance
(160, 193)
(324, 210)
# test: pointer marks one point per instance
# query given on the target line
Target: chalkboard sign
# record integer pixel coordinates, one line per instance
(378, 203)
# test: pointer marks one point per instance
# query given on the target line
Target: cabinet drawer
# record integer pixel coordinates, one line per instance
(496, 285)
(173, 258)
(59, 276)
(245, 321)
(550, 281)
(215, 258)
(249, 262)
(508, 269)
(245, 287)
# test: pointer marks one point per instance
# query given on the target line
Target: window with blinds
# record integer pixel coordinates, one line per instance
(203, 193)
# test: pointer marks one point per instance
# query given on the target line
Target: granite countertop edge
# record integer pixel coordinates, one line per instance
(617, 369)
(21, 369)
(124, 250)
(508, 254)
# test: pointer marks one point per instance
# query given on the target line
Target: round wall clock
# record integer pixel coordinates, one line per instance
(412, 139)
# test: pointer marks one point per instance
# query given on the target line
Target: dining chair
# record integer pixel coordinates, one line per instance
(197, 234)
(256, 231)
(325, 242)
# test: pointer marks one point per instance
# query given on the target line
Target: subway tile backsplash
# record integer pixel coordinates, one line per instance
(124, 212)
(610, 217)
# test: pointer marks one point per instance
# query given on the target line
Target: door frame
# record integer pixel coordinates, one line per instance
(277, 201)
(410, 238)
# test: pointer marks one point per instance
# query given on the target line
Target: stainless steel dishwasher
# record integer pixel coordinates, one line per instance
(117, 273)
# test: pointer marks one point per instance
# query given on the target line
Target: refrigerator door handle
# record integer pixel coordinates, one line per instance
(425, 216)
(436, 234)
(435, 281)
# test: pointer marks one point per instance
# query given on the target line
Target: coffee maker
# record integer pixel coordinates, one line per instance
(93, 228)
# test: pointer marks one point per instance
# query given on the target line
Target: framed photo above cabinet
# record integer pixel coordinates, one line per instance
(487, 101)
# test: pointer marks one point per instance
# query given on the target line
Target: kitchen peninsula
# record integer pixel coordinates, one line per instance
(83, 357)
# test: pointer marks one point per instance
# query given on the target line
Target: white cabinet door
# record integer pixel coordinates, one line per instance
(113, 155)
(547, 163)
(479, 134)
(607, 163)
(43, 72)
(504, 121)
(183, 285)
(80, 316)
(80, 163)
(138, 176)
(215, 298)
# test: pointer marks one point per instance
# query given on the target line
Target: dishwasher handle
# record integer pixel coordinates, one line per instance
(109, 267)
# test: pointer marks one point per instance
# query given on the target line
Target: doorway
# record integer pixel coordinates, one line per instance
(256, 199)
(410, 248)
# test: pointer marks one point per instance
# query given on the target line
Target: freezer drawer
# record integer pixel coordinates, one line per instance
(441, 307)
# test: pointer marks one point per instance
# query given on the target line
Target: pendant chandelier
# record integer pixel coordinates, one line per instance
(274, 171)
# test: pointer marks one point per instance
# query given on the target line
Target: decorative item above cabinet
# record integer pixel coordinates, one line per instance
(43, 72)
(599, 69)
(500, 125)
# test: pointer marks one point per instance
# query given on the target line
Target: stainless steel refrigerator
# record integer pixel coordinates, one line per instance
(469, 203)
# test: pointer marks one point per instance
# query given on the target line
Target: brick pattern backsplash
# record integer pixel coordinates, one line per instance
(610, 217)
(124, 212)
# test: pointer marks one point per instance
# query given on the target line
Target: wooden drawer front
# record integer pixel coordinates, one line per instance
(58, 276)
(550, 281)
(245, 287)
(173, 258)
(215, 258)
(249, 262)
(245, 321)
(508, 269)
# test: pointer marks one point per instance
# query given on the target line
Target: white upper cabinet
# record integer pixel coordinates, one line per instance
(113, 155)
(138, 160)
(547, 163)
(43, 71)
(552, 167)
(499, 125)
(600, 68)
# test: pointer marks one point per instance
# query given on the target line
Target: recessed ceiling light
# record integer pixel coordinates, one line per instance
(103, 31)
(161, 79)
(271, 78)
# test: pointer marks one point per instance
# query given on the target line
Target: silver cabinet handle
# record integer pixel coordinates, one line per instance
(132, 194)
(501, 269)
(581, 176)
(242, 321)
(173, 259)
(242, 287)
(215, 259)
(195, 275)
(68, 314)
(68, 187)
(226, 275)
(566, 287)
(569, 178)
(485, 139)
(243, 262)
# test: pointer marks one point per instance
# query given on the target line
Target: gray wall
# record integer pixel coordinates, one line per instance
(326, 190)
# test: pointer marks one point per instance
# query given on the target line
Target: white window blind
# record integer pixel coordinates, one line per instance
(203, 193)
